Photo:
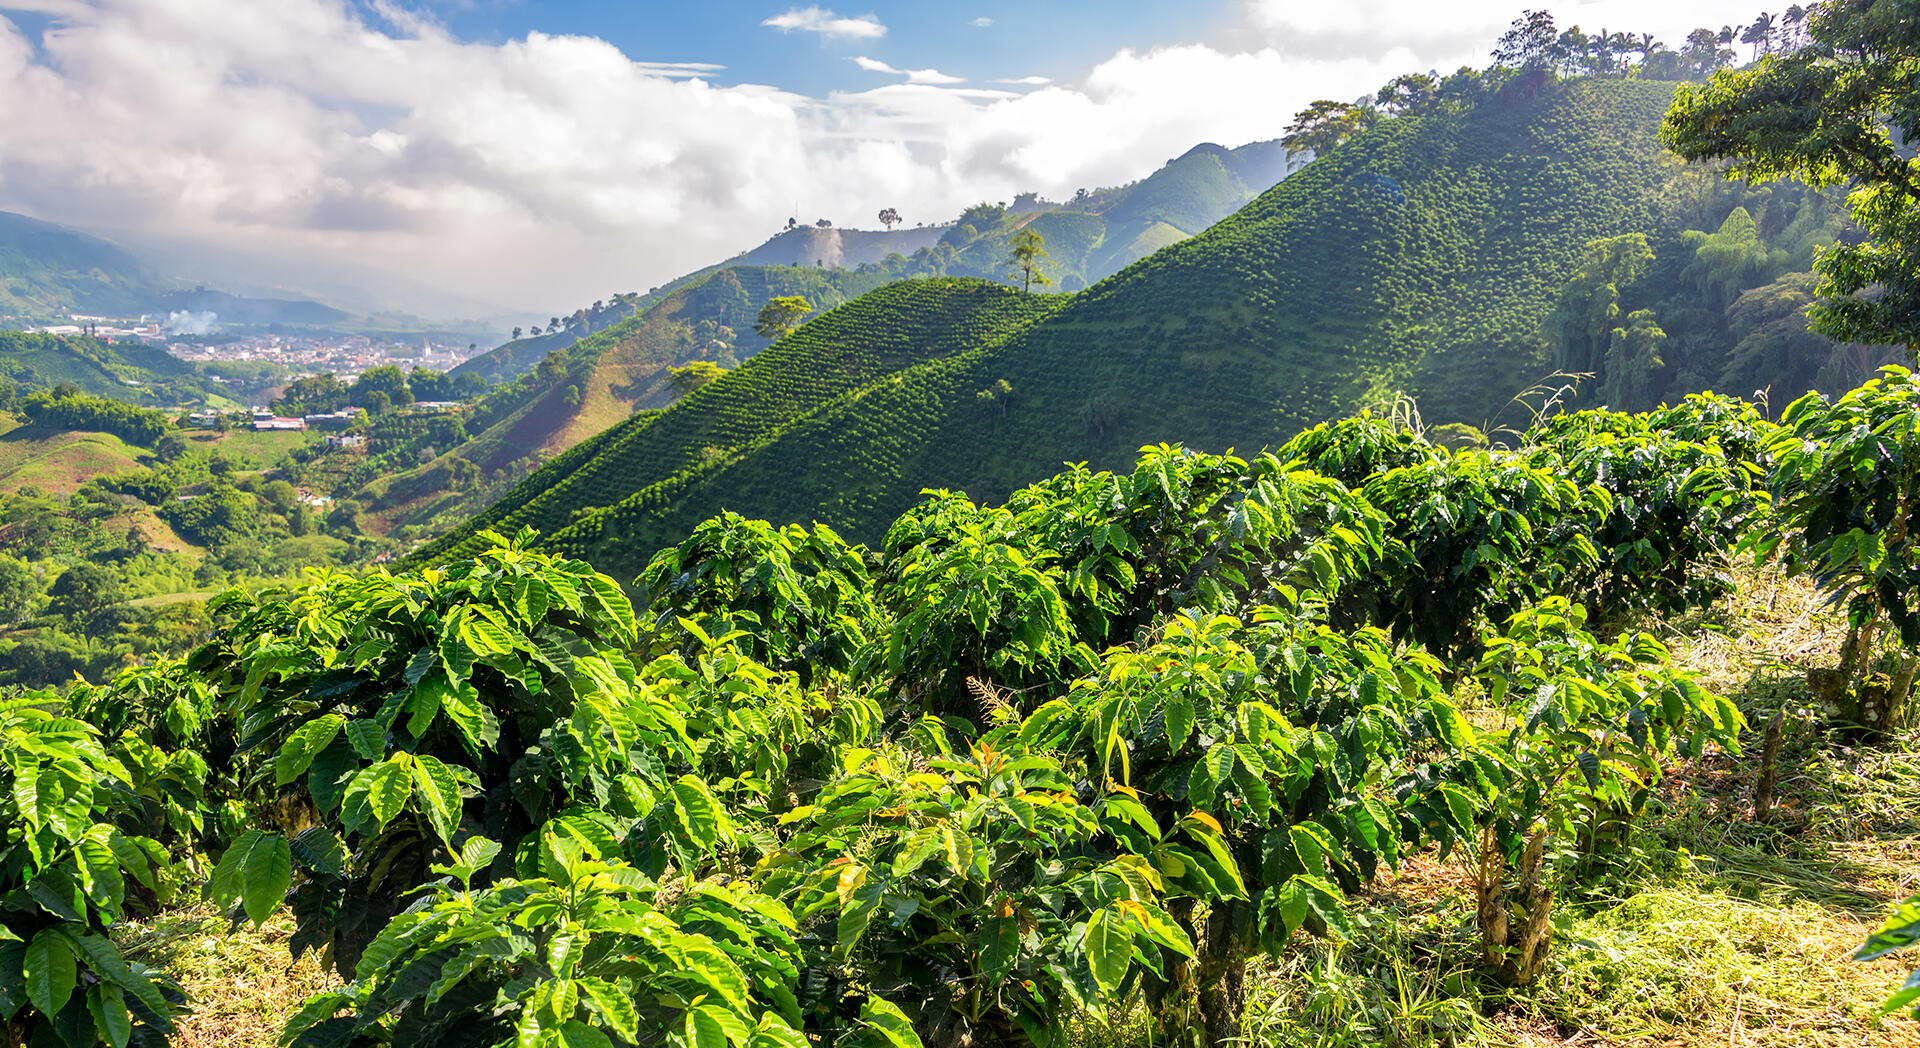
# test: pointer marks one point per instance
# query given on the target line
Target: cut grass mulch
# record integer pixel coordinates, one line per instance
(241, 983)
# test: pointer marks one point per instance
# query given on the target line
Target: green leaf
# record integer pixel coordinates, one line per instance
(1453, 728)
(369, 738)
(882, 1025)
(424, 705)
(699, 815)
(576, 1034)
(1901, 930)
(110, 1015)
(297, 753)
(317, 849)
(439, 794)
(1179, 721)
(269, 871)
(389, 784)
(51, 971)
(224, 885)
(999, 945)
(614, 1007)
(1109, 949)
(704, 1029)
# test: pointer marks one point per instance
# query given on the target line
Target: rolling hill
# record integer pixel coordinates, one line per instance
(873, 339)
(130, 371)
(1425, 256)
(600, 381)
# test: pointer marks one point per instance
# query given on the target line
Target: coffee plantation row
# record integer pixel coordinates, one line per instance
(1106, 743)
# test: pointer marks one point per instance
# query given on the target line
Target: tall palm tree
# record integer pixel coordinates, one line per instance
(1795, 23)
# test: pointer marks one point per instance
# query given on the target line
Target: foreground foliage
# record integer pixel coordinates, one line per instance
(1111, 742)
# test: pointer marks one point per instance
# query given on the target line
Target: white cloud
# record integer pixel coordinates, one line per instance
(1447, 35)
(820, 20)
(982, 22)
(552, 170)
(914, 76)
(1026, 81)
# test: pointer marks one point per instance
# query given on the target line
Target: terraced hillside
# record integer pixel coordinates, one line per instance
(1424, 256)
(598, 382)
(871, 340)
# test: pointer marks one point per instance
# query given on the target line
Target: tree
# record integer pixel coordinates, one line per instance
(890, 217)
(312, 395)
(516, 334)
(1834, 112)
(387, 380)
(684, 380)
(1408, 93)
(171, 447)
(1531, 44)
(823, 223)
(781, 315)
(18, 589)
(1026, 250)
(429, 385)
(83, 591)
(1322, 126)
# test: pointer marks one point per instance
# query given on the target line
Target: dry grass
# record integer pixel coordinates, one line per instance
(241, 983)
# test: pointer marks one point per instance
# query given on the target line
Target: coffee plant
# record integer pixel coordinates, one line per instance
(1846, 480)
(1102, 745)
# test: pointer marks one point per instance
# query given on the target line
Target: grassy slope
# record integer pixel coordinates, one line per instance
(1422, 257)
(871, 339)
(59, 462)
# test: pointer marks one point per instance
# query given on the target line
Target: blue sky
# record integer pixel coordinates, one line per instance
(1055, 39)
(476, 156)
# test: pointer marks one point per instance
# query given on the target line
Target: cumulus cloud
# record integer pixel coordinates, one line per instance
(550, 170)
(914, 76)
(982, 22)
(825, 22)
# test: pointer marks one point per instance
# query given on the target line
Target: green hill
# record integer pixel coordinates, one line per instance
(1426, 256)
(875, 338)
(129, 371)
(583, 388)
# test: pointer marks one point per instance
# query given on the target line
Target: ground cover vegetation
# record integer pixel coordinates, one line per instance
(1103, 754)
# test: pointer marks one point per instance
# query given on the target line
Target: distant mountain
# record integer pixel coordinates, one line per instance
(1457, 256)
(49, 271)
(1087, 239)
(233, 309)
